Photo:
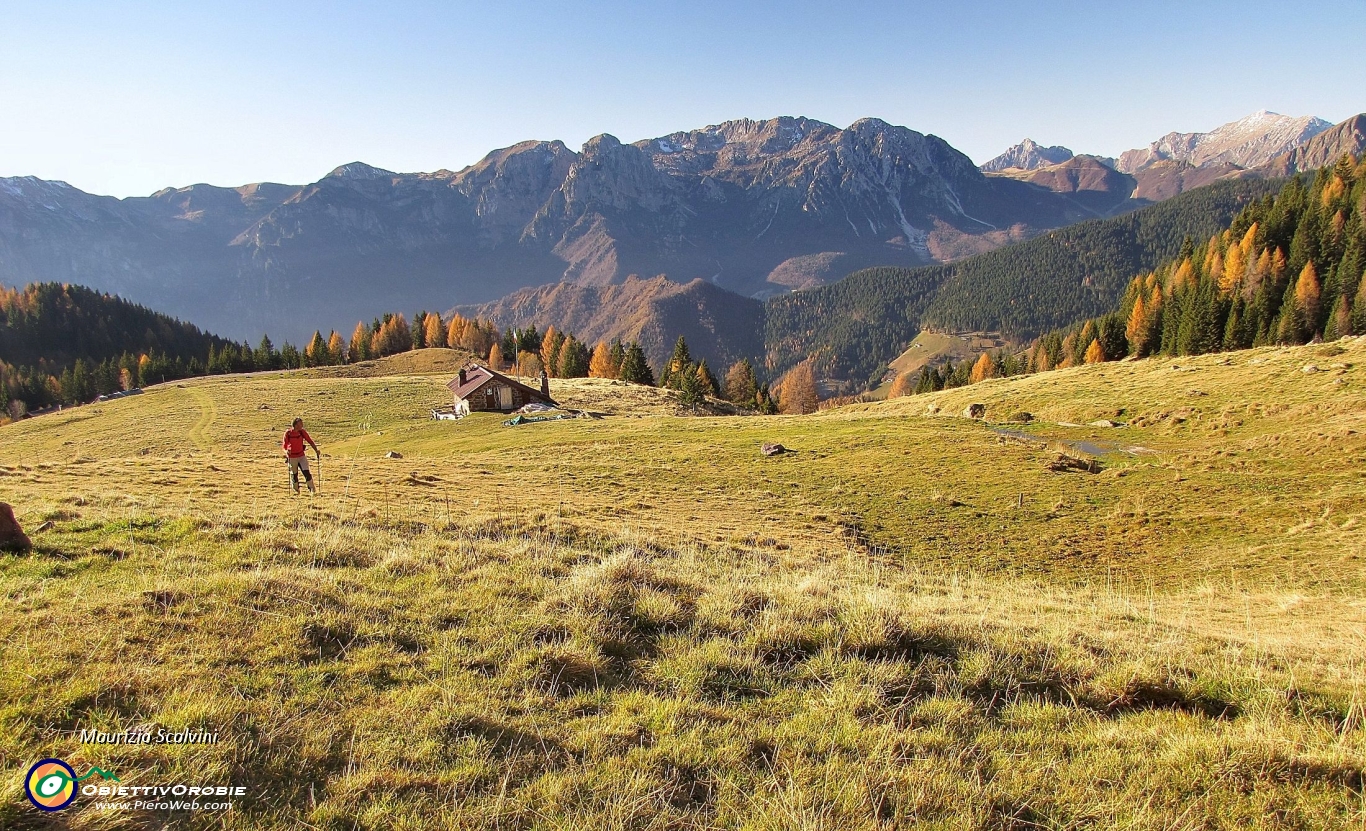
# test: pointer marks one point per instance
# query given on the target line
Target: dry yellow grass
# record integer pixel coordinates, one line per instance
(641, 622)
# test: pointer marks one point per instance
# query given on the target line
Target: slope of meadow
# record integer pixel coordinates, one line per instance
(642, 622)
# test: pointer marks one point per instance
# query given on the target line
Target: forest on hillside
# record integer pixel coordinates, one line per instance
(853, 328)
(62, 343)
(1289, 269)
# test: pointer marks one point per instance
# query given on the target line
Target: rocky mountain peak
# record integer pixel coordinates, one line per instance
(1028, 155)
(731, 143)
(604, 143)
(360, 171)
(1250, 141)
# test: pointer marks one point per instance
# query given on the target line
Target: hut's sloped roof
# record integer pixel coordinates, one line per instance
(477, 375)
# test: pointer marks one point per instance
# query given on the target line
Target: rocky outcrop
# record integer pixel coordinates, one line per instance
(12, 537)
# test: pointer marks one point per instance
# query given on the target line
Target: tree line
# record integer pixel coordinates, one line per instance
(49, 325)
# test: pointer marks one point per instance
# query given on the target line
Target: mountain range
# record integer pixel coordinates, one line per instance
(754, 208)
(1262, 144)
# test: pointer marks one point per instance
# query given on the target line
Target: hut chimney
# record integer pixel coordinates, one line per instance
(545, 384)
(462, 376)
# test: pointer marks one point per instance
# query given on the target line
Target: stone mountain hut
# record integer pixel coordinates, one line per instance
(480, 389)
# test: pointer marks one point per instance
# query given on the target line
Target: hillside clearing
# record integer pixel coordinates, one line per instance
(933, 349)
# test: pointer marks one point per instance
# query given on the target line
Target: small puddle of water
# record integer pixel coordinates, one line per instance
(1088, 447)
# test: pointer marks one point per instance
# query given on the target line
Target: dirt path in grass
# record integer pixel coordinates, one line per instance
(208, 414)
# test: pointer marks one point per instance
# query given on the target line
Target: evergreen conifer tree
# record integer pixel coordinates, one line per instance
(690, 393)
(529, 340)
(419, 332)
(680, 363)
(266, 356)
(1339, 321)
(1199, 330)
(634, 368)
(1233, 329)
(573, 358)
(315, 354)
(926, 380)
(1110, 333)
(1358, 311)
(764, 401)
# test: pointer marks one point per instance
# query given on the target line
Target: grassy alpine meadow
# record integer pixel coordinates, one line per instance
(640, 621)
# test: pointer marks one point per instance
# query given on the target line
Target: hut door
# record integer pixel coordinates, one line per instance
(505, 398)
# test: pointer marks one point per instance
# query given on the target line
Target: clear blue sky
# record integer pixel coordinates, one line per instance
(124, 98)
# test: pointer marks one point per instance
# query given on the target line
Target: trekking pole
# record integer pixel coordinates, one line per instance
(318, 457)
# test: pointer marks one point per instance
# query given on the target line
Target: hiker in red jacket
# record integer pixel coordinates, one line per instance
(297, 456)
